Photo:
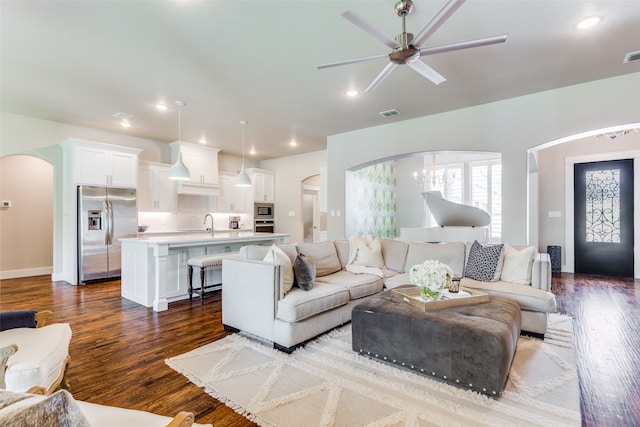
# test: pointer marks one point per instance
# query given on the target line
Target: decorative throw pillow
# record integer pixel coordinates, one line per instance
(484, 262)
(278, 257)
(58, 409)
(517, 265)
(323, 255)
(366, 250)
(305, 272)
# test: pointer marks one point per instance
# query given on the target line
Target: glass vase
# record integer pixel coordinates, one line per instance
(429, 294)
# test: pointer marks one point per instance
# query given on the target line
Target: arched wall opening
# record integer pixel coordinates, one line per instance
(551, 186)
(26, 240)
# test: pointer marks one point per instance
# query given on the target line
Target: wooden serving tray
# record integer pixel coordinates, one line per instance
(411, 296)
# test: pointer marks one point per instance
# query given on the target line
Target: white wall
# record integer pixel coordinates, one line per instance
(290, 171)
(509, 127)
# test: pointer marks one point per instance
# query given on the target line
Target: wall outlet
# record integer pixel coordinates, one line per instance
(555, 214)
(5, 204)
(292, 213)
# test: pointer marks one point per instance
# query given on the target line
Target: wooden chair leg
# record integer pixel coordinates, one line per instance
(202, 286)
(190, 289)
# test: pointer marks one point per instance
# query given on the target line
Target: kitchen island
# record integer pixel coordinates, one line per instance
(154, 268)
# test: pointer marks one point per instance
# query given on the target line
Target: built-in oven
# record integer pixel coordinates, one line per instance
(263, 211)
(264, 226)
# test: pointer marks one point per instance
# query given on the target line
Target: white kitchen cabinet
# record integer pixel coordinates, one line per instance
(263, 185)
(103, 164)
(202, 162)
(156, 192)
(232, 198)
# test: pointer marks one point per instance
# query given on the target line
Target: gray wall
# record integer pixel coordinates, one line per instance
(510, 127)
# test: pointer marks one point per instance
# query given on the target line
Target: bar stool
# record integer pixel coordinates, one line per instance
(204, 263)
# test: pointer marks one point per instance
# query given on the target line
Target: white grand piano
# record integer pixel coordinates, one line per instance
(456, 222)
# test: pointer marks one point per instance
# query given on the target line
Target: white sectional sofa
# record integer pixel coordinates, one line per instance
(254, 299)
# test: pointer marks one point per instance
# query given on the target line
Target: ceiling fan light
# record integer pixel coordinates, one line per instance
(179, 171)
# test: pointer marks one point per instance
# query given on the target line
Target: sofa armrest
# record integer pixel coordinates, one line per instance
(541, 272)
(250, 292)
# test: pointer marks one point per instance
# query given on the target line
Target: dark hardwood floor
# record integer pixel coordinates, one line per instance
(118, 347)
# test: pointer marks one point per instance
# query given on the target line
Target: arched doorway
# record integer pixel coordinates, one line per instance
(551, 186)
(26, 241)
(314, 222)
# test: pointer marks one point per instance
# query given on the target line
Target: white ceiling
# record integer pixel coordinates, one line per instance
(79, 62)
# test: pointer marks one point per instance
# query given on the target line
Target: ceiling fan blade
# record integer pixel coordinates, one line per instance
(383, 75)
(426, 71)
(484, 41)
(437, 21)
(353, 61)
(364, 25)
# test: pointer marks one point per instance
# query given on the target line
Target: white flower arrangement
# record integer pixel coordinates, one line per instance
(432, 277)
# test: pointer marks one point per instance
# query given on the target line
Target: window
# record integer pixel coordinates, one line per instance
(486, 193)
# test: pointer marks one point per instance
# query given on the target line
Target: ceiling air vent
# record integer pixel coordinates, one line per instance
(389, 113)
(631, 56)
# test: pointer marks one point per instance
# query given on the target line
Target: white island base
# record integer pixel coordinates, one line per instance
(154, 268)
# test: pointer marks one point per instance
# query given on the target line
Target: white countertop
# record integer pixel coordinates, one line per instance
(203, 237)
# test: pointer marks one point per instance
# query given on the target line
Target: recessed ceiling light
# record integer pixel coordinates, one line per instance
(252, 151)
(293, 143)
(588, 22)
(203, 140)
(125, 124)
(161, 107)
(351, 93)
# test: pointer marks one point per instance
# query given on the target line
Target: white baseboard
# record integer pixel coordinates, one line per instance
(15, 274)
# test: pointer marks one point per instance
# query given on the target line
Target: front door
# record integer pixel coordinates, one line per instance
(603, 221)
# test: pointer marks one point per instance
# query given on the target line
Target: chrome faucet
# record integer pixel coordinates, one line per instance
(205, 222)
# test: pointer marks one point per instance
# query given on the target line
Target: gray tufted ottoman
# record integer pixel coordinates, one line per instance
(471, 346)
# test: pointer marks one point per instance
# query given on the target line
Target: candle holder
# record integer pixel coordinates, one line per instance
(454, 287)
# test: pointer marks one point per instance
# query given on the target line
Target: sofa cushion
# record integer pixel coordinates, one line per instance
(298, 305)
(394, 253)
(279, 257)
(359, 285)
(450, 253)
(342, 250)
(41, 356)
(397, 280)
(517, 265)
(484, 262)
(304, 272)
(323, 255)
(529, 298)
(58, 409)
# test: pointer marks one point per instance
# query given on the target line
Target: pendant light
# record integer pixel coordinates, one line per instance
(243, 180)
(179, 171)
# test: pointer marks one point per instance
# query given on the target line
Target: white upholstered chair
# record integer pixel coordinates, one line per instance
(42, 352)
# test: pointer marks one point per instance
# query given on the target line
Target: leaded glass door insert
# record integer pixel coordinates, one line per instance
(602, 209)
(603, 222)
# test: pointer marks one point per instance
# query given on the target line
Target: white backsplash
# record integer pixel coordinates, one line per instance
(190, 216)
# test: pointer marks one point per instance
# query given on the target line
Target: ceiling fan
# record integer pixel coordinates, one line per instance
(406, 47)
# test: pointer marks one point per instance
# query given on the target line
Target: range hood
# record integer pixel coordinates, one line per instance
(197, 189)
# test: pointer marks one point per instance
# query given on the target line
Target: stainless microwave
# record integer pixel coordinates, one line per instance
(262, 211)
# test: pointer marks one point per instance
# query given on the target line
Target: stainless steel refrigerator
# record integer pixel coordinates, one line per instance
(104, 216)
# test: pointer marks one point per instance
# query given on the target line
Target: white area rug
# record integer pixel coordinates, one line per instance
(328, 384)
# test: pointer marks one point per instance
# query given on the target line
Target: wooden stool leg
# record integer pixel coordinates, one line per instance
(190, 289)
(202, 286)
